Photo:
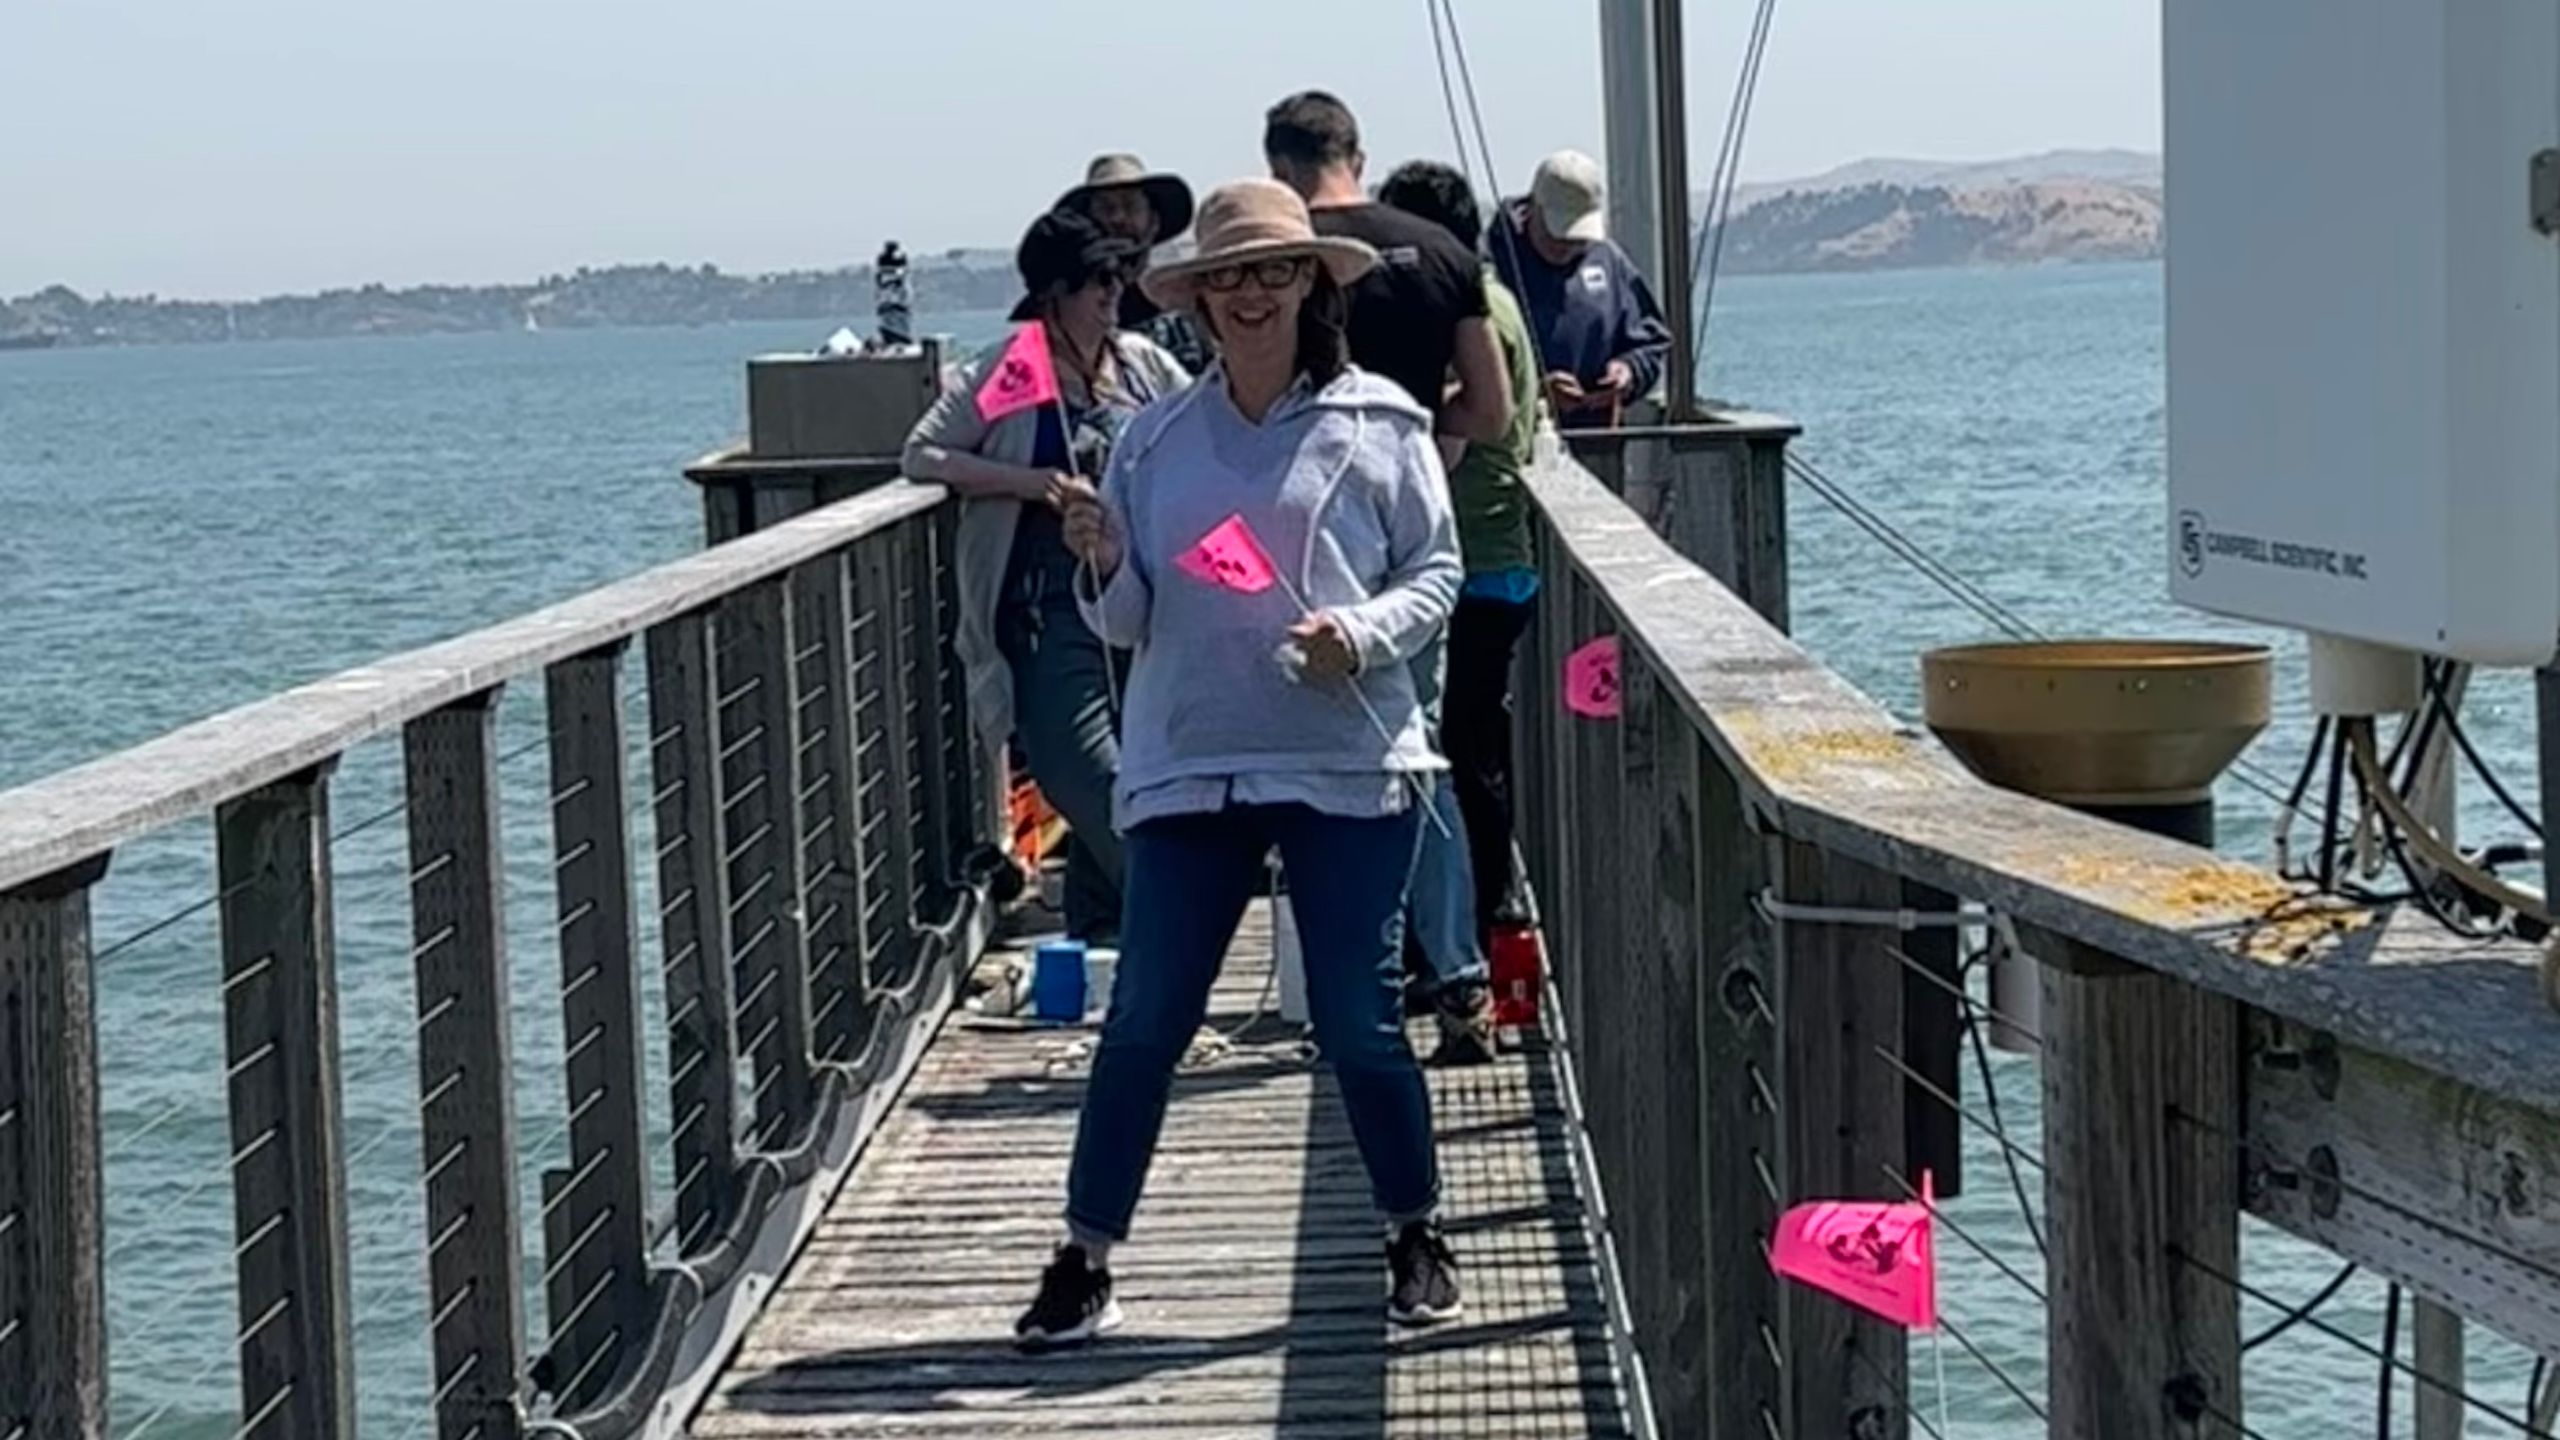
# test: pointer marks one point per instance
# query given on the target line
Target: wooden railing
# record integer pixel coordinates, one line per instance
(821, 862)
(1724, 869)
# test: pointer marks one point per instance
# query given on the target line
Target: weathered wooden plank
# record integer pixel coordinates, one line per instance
(1254, 1289)
(466, 1116)
(280, 1004)
(759, 729)
(840, 1003)
(1741, 1157)
(879, 605)
(65, 818)
(2453, 1192)
(2142, 1193)
(53, 1327)
(595, 1207)
(1840, 1033)
(1933, 1043)
(943, 821)
(693, 890)
(1833, 770)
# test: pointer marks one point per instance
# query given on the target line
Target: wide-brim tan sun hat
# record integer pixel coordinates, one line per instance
(1249, 220)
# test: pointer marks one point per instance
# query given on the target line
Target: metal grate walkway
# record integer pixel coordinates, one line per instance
(1254, 1285)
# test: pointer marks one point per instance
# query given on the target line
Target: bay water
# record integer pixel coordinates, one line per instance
(190, 528)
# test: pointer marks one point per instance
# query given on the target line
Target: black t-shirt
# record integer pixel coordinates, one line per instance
(1405, 313)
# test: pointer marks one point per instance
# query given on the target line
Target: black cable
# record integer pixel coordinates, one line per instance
(2533, 1386)
(2390, 1355)
(2497, 787)
(1991, 1099)
(2303, 1311)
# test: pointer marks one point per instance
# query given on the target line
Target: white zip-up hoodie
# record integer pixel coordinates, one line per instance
(1344, 489)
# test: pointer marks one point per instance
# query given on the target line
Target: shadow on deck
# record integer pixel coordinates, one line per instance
(1254, 1287)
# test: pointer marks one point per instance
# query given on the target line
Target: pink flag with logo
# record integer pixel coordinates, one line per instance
(1231, 558)
(1876, 1256)
(1022, 377)
(1591, 679)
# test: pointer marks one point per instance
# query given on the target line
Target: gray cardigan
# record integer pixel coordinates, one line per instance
(985, 542)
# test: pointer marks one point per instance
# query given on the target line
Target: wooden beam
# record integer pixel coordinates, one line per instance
(1743, 1158)
(2447, 1189)
(759, 729)
(595, 1207)
(280, 1003)
(53, 1326)
(879, 607)
(1840, 1033)
(693, 905)
(466, 1115)
(2142, 1195)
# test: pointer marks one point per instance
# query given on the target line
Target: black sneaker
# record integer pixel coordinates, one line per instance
(1465, 1012)
(1426, 1277)
(1073, 1306)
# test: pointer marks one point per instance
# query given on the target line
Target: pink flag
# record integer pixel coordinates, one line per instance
(1231, 558)
(1591, 679)
(1021, 378)
(1876, 1256)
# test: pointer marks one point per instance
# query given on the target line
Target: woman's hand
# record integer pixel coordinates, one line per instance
(1087, 524)
(1325, 648)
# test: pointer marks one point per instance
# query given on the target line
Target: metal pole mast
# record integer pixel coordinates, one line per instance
(1671, 131)
(1626, 87)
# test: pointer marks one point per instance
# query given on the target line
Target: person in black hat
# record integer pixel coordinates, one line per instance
(1037, 674)
(1128, 200)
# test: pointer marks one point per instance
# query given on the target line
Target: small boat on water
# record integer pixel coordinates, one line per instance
(31, 340)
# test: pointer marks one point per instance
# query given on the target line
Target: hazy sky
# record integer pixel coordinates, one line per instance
(236, 148)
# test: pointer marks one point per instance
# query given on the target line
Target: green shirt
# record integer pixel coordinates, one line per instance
(1486, 490)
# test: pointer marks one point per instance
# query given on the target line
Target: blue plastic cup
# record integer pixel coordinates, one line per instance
(1057, 982)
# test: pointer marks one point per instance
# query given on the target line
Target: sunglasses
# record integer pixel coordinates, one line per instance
(1267, 274)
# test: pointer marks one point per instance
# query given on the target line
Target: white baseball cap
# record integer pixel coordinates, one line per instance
(1571, 197)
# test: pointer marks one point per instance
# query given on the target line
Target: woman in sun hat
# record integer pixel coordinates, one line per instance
(1276, 544)
(1036, 671)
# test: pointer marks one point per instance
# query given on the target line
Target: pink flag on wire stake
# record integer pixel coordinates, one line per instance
(1231, 558)
(1022, 377)
(1876, 1256)
(1591, 680)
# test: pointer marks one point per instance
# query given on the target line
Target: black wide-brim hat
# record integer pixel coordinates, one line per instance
(1064, 251)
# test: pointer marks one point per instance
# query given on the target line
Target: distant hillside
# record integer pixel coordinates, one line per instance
(622, 295)
(1900, 214)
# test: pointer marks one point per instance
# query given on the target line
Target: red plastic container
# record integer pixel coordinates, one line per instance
(1519, 967)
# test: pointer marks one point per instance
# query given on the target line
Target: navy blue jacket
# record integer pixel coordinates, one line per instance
(1585, 314)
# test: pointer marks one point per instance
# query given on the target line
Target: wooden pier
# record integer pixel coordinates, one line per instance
(801, 1195)
(1253, 1286)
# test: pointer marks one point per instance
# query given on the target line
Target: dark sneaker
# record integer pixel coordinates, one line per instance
(1426, 1277)
(1073, 1306)
(1465, 1012)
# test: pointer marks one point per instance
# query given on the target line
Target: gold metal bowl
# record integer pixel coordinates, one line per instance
(2099, 722)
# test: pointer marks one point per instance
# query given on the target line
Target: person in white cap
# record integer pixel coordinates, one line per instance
(1599, 330)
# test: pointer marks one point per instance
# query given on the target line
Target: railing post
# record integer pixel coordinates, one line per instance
(53, 1327)
(693, 908)
(466, 1113)
(879, 607)
(1840, 1028)
(840, 1009)
(1742, 1158)
(759, 745)
(2142, 1198)
(922, 582)
(280, 1002)
(596, 1207)
(1659, 756)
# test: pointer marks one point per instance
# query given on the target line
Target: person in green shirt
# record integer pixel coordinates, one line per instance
(1461, 892)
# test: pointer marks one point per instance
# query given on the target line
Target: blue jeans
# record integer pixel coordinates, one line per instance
(1442, 908)
(1189, 879)
(1063, 719)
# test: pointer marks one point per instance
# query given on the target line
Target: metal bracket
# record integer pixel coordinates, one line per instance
(2543, 185)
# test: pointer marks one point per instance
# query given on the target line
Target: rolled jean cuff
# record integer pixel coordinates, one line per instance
(1084, 1231)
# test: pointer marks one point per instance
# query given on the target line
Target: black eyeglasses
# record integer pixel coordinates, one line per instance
(1268, 274)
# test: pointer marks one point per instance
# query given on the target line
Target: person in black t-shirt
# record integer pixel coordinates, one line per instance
(1420, 316)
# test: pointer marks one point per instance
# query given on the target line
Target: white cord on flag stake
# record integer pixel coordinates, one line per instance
(1422, 793)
